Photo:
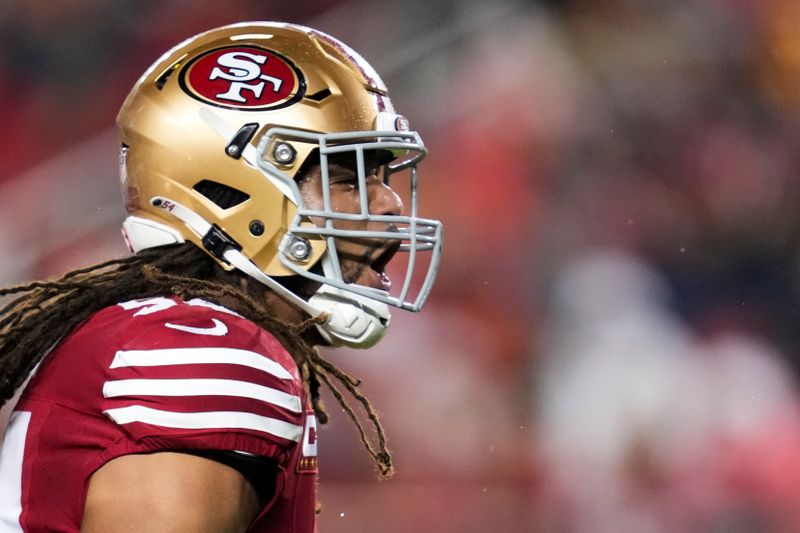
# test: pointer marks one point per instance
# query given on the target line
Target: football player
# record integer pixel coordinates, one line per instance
(265, 173)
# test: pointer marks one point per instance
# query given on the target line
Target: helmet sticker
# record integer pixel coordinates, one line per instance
(248, 78)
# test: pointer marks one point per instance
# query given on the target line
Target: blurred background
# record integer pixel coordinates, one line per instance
(613, 343)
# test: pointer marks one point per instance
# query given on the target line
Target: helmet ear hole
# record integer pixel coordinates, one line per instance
(222, 195)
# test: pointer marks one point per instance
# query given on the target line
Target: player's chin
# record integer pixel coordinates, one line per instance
(368, 277)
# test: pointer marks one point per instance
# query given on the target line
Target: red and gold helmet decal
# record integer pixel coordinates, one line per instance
(248, 78)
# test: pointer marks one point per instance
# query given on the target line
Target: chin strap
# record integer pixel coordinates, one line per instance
(353, 320)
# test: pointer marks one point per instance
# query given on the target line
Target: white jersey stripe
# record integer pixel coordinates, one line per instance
(206, 420)
(201, 387)
(199, 356)
(11, 456)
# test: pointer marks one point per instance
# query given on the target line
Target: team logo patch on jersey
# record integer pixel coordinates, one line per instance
(249, 78)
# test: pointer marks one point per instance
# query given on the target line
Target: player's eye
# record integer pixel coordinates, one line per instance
(348, 182)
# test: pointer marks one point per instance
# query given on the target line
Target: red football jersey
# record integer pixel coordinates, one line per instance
(155, 375)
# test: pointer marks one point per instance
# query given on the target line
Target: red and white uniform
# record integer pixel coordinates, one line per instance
(155, 375)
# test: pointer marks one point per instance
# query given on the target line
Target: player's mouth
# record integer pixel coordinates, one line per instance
(376, 273)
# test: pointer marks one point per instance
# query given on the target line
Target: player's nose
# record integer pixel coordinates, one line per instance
(384, 201)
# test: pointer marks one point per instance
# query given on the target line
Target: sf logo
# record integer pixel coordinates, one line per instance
(243, 70)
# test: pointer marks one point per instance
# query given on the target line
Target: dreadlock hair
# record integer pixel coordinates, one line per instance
(44, 312)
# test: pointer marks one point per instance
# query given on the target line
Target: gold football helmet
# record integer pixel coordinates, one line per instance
(216, 133)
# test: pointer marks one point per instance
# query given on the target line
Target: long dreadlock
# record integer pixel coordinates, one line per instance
(41, 313)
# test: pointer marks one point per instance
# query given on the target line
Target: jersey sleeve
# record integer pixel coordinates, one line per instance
(196, 376)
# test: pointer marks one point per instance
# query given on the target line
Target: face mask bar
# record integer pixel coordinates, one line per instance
(415, 234)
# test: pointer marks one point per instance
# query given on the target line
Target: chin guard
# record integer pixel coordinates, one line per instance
(354, 321)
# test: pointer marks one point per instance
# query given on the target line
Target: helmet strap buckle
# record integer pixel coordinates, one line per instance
(217, 242)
